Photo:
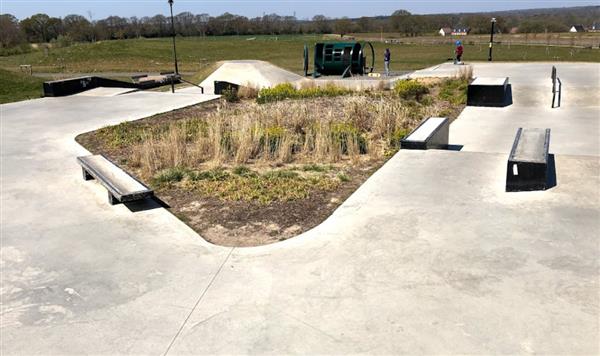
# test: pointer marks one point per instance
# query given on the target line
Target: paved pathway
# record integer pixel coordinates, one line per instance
(430, 255)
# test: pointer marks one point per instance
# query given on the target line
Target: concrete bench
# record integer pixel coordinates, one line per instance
(121, 186)
(431, 133)
(489, 91)
(528, 167)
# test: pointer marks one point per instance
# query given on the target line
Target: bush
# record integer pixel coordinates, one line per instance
(230, 95)
(61, 41)
(410, 89)
(18, 49)
(217, 174)
(315, 168)
(244, 171)
(287, 91)
(343, 177)
(454, 91)
(170, 175)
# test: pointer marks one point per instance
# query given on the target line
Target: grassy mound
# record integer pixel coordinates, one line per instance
(17, 86)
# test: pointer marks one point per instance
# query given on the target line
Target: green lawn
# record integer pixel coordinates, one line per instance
(198, 55)
(195, 53)
(17, 86)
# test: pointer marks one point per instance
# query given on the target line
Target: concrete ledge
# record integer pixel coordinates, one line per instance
(528, 163)
(488, 91)
(121, 186)
(72, 86)
(432, 133)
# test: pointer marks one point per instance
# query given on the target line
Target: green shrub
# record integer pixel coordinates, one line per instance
(230, 95)
(343, 177)
(18, 49)
(454, 91)
(410, 89)
(287, 91)
(343, 133)
(170, 175)
(397, 136)
(315, 168)
(217, 174)
(62, 41)
(270, 138)
(285, 174)
(244, 171)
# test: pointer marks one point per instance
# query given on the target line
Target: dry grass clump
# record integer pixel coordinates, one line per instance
(465, 73)
(322, 130)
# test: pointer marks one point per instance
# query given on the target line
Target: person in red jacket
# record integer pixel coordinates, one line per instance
(459, 52)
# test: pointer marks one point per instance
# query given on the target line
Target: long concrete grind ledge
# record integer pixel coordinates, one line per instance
(429, 256)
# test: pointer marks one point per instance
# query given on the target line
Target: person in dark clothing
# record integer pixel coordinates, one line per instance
(387, 55)
(459, 52)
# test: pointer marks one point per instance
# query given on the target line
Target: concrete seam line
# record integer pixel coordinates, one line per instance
(198, 301)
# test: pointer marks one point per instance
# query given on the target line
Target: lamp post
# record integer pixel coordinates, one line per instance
(492, 38)
(174, 50)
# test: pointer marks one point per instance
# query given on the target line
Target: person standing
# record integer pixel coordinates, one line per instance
(459, 52)
(386, 61)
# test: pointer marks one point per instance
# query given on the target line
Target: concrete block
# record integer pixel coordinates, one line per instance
(489, 91)
(528, 164)
(432, 133)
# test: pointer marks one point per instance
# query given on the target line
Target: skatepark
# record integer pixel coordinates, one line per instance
(430, 255)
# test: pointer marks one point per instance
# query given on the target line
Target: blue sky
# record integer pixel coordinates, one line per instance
(251, 8)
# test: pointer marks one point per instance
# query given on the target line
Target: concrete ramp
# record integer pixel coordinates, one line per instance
(258, 74)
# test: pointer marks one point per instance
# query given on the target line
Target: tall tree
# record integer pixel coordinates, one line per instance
(77, 27)
(343, 26)
(10, 33)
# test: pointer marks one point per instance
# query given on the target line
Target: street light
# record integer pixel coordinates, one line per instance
(491, 39)
(174, 50)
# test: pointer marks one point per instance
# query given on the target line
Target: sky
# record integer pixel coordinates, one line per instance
(100, 9)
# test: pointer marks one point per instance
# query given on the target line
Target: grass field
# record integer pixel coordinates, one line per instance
(585, 39)
(16, 86)
(198, 55)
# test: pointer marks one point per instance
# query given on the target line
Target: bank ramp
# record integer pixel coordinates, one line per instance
(258, 74)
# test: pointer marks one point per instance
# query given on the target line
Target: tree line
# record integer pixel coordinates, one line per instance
(41, 28)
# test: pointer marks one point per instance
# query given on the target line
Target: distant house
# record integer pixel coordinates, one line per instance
(460, 31)
(514, 30)
(445, 31)
(595, 28)
(577, 28)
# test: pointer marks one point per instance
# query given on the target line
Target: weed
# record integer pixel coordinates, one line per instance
(284, 173)
(230, 95)
(244, 171)
(454, 91)
(316, 168)
(121, 135)
(214, 175)
(410, 89)
(170, 175)
(343, 177)
(287, 91)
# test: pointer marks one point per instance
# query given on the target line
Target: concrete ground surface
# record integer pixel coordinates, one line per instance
(429, 256)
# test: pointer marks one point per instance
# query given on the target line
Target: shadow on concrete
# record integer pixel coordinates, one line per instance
(551, 175)
(508, 100)
(454, 147)
(146, 204)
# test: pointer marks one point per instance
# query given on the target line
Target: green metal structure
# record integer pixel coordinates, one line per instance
(340, 58)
